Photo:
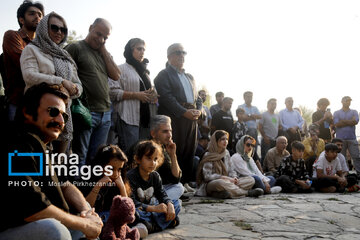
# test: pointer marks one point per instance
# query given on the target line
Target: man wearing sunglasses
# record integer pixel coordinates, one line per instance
(177, 100)
(39, 207)
(29, 15)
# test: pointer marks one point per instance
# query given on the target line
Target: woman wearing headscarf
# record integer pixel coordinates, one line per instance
(212, 173)
(45, 60)
(244, 165)
(132, 97)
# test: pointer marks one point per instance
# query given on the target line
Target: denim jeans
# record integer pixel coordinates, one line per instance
(86, 142)
(11, 112)
(43, 229)
(353, 147)
(159, 218)
(174, 191)
(260, 184)
(128, 135)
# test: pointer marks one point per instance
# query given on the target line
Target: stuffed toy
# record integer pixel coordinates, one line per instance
(122, 212)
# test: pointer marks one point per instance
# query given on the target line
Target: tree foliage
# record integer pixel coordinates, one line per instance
(72, 37)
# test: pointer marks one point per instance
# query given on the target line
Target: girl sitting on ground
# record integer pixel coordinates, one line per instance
(212, 173)
(244, 165)
(155, 209)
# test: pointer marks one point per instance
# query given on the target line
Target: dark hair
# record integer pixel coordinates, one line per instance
(239, 110)
(218, 94)
(270, 100)
(323, 101)
(31, 100)
(336, 140)
(25, 6)
(108, 152)
(331, 147)
(55, 15)
(148, 148)
(220, 133)
(297, 145)
(247, 92)
(247, 137)
(227, 99)
(202, 90)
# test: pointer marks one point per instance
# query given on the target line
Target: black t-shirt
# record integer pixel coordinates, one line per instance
(165, 170)
(151, 188)
(324, 128)
(23, 196)
(222, 121)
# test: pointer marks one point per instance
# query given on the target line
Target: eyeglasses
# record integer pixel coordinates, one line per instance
(250, 145)
(179, 52)
(54, 112)
(56, 29)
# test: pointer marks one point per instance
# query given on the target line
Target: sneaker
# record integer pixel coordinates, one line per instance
(174, 223)
(142, 230)
(222, 194)
(188, 188)
(184, 198)
(275, 189)
(255, 192)
(353, 188)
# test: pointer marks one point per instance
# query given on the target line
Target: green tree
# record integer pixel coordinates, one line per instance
(72, 37)
(306, 114)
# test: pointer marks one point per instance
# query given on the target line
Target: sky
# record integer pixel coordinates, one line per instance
(306, 49)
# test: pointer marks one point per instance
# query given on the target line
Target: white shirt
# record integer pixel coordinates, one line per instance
(329, 168)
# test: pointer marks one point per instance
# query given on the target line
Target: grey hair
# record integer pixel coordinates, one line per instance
(280, 137)
(157, 120)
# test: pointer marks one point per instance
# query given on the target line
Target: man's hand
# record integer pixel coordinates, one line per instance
(160, 208)
(170, 214)
(192, 114)
(171, 148)
(93, 225)
(267, 187)
(266, 140)
(342, 181)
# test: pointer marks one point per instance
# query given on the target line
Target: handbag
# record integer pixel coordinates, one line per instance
(81, 115)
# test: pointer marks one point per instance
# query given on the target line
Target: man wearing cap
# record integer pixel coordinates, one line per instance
(178, 101)
(345, 121)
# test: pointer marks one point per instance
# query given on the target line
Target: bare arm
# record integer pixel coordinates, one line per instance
(74, 197)
(112, 69)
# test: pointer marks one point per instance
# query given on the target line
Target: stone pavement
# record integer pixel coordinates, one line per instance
(278, 216)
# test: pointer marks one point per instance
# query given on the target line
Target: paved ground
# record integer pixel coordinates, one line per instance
(280, 216)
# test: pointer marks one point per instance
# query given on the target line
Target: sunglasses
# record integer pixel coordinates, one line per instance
(54, 112)
(250, 145)
(56, 29)
(178, 53)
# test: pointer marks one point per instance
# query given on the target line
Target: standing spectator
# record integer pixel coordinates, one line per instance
(44, 60)
(131, 96)
(274, 156)
(239, 128)
(170, 172)
(95, 65)
(324, 119)
(345, 121)
(291, 122)
(177, 99)
(205, 122)
(269, 128)
(217, 107)
(252, 114)
(29, 15)
(41, 209)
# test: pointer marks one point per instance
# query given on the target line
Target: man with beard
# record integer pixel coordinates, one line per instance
(35, 202)
(29, 15)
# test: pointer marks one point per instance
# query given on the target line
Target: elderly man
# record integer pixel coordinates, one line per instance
(345, 121)
(178, 101)
(29, 15)
(291, 122)
(275, 155)
(170, 172)
(95, 65)
(39, 208)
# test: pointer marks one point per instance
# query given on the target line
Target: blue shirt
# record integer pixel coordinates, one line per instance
(250, 110)
(290, 119)
(348, 132)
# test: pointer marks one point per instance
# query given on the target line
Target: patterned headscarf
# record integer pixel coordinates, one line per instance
(240, 149)
(62, 59)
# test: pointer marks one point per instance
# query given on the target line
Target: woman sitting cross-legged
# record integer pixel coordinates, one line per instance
(244, 165)
(212, 173)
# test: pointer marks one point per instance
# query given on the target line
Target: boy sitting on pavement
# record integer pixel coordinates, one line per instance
(327, 175)
(293, 176)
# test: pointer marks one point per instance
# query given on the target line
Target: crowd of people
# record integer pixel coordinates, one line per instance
(148, 141)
